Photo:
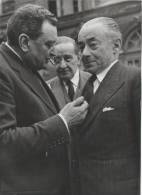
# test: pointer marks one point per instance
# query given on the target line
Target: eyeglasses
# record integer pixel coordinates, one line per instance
(58, 59)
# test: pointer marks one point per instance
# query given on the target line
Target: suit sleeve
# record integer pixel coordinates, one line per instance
(48, 134)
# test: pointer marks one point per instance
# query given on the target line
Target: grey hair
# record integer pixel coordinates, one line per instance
(65, 39)
(110, 24)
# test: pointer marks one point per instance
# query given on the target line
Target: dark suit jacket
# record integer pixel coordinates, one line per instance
(32, 135)
(60, 92)
(108, 143)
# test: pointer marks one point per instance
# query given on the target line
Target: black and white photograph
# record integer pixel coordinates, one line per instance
(70, 97)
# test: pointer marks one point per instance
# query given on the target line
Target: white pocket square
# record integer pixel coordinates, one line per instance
(108, 109)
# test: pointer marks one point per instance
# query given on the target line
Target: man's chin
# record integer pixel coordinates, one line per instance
(64, 77)
(89, 69)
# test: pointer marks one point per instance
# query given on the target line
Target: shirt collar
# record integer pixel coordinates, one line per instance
(75, 79)
(13, 50)
(102, 74)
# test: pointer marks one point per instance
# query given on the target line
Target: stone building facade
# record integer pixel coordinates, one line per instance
(73, 13)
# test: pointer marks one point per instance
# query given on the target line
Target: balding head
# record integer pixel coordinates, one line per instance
(65, 39)
(65, 57)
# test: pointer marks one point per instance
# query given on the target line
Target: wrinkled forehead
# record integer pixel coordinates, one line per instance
(64, 48)
(89, 31)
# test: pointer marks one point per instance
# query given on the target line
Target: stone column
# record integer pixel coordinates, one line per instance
(80, 5)
(0, 7)
(67, 7)
(89, 4)
(59, 8)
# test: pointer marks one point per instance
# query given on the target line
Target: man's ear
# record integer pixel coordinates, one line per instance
(117, 46)
(24, 42)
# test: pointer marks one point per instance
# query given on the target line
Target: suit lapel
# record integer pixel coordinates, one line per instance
(80, 85)
(60, 92)
(109, 86)
(82, 81)
(33, 82)
(28, 77)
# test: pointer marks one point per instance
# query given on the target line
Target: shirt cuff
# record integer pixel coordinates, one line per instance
(65, 122)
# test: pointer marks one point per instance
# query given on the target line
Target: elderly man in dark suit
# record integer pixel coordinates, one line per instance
(70, 80)
(108, 140)
(33, 134)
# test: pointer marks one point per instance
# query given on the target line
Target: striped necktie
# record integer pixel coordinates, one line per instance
(88, 89)
(70, 89)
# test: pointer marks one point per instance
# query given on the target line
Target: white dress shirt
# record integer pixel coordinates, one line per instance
(101, 76)
(12, 50)
(74, 80)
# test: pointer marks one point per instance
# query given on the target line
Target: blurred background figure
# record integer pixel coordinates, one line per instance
(70, 80)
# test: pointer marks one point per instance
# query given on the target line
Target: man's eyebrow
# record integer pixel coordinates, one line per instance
(52, 53)
(50, 42)
(91, 39)
(88, 40)
(67, 55)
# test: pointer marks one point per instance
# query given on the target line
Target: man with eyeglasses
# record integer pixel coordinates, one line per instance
(34, 133)
(70, 80)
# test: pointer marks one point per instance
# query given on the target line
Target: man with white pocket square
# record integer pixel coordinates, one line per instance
(108, 141)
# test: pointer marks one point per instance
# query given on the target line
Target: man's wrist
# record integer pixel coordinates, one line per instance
(65, 122)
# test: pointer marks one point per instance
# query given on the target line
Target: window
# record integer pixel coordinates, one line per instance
(134, 62)
(52, 6)
(134, 41)
(7, 6)
(132, 48)
(75, 6)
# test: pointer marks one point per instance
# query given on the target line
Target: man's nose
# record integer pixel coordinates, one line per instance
(63, 63)
(85, 51)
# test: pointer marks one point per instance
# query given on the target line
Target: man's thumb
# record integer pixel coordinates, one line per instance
(78, 101)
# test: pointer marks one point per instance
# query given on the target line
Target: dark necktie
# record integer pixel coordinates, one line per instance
(88, 89)
(70, 89)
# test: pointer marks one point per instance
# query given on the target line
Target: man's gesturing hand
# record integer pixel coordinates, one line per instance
(75, 112)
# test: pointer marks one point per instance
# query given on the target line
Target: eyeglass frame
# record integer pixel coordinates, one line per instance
(54, 61)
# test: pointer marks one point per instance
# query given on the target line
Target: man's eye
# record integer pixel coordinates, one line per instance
(52, 55)
(93, 45)
(49, 45)
(57, 59)
(67, 58)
